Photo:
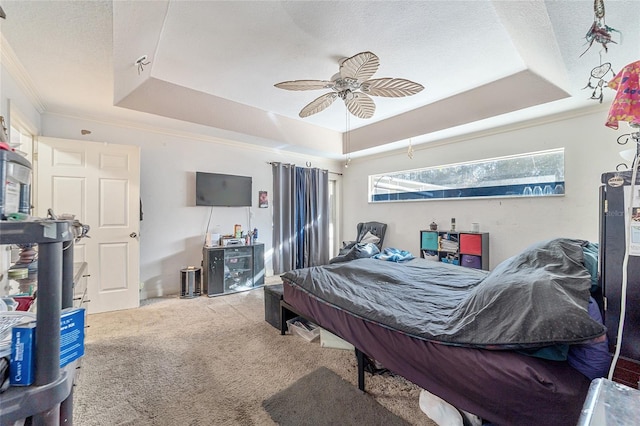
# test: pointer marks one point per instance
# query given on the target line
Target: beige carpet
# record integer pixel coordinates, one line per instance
(335, 402)
(206, 361)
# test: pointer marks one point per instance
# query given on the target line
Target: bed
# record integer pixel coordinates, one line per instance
(486, 342)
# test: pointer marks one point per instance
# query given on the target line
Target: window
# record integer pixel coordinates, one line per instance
(523, 175)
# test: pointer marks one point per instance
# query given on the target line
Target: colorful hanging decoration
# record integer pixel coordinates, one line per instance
(599, 32)
(597, 80)
(626, 105)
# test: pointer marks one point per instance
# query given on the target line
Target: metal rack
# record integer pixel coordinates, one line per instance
(49, 401)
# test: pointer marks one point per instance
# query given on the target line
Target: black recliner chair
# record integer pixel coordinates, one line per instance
(376, 228)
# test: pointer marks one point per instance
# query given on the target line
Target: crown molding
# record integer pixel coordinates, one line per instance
(19, 73)
(194, 136)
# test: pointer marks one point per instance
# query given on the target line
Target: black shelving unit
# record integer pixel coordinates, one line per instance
(49, 401)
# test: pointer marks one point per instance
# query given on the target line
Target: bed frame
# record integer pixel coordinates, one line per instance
(288, 312)
(503, 387)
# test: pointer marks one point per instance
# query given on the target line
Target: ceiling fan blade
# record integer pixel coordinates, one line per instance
(318, 104)
(361, 66)
(361, 105)
(391, 87)
(305, 85)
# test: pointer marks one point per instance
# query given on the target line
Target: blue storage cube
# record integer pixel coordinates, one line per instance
(429, 240)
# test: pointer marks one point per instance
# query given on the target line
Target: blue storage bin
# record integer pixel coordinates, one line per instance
(429, 240)
(450, 261)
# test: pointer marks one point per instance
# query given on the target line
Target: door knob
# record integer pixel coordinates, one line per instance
(133, 235)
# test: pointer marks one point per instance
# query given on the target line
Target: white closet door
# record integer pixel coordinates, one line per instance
(100, 184)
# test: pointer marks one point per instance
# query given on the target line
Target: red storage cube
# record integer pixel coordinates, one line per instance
(471, 244)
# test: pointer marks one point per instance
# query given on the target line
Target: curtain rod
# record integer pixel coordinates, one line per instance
(308, 164)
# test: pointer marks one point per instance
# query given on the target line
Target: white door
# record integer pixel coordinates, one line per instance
(100, 184)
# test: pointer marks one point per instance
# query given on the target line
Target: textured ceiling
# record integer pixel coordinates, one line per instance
(213, 64)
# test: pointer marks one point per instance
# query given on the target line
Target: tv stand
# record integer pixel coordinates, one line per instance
(231, 269)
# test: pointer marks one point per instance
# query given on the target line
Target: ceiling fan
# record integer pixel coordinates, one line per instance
(353, 85)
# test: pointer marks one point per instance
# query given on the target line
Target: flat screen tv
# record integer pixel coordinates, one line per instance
(215, 189)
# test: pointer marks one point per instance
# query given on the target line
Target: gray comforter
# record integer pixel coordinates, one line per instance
(536, 298)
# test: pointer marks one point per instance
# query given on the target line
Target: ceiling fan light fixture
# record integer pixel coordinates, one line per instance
(354, 86)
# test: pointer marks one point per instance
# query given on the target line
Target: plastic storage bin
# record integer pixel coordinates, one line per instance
(610, 403)
(303, 328)
(450, 260)
(330, 340)
(15, 184)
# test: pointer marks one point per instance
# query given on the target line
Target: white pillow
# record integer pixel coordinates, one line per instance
(370, 238)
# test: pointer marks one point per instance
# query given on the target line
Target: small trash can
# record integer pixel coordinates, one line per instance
(190, 280)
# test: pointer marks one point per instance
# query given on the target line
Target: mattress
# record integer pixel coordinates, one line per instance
(503, 387)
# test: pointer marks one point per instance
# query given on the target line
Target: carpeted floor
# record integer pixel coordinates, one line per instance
(290, 407)
(207, 361)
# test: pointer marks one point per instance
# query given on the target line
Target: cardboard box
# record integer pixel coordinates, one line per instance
(22, 361)
(23, 337)
(71, 335)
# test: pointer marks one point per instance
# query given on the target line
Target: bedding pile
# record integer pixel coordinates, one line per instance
(534, 299)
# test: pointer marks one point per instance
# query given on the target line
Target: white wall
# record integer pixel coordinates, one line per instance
(10, 92)
(513, 223)
(173, 230)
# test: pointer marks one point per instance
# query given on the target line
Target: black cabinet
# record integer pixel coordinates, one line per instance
(231, 269)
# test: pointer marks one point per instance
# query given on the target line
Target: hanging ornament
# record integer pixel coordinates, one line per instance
(599, 32)
(597, 80)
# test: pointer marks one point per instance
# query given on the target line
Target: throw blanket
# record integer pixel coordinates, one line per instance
(394, 255)
(536, 298)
